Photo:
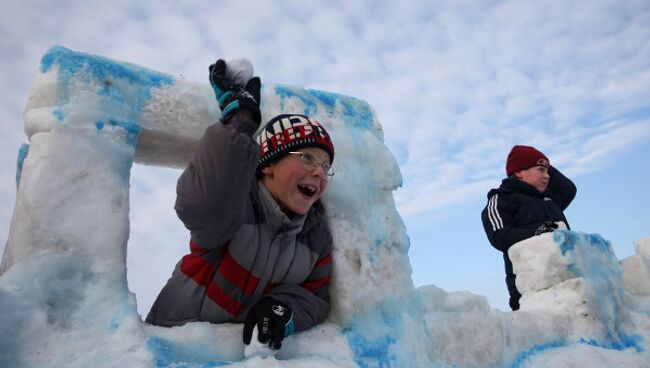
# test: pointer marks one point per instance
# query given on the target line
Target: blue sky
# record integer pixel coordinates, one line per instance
(455, 85)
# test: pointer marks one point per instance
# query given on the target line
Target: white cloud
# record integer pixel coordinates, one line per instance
(530, 73)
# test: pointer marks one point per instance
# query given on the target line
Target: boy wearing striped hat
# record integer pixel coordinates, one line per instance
(529, 202)
(260, 246)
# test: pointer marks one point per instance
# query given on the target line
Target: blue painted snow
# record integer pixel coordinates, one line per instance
(22, 155)
(375, 337)
(121, 89)
(593, 259)
(359, 122)
(526, 355)
(172, 354)
(131, 129)
(58, 114)
(626, 342)
(287, 92)
(126, 310)
(537, 349)
(371, 352)
(569, 240)
(355, 112)
(103, 71)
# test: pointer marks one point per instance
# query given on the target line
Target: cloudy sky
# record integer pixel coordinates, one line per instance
(455, 84)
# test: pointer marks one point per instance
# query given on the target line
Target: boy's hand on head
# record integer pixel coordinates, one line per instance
(546, 227)
(235, 89)
(273, 319)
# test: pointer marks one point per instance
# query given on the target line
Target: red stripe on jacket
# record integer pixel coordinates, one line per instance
(237, 275)
(196, 267)
(196, 250)
(314, 285)
(216, 293)
(325, 260)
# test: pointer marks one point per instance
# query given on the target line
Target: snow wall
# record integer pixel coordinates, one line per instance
(64, 298)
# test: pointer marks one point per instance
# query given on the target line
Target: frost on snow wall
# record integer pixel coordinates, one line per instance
(64, 299)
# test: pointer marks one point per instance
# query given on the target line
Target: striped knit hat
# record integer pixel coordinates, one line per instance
(289, 132)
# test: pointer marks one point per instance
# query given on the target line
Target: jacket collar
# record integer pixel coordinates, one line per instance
(512, 184)
(274, 217)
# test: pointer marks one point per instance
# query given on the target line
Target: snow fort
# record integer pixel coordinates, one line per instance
(64, 298)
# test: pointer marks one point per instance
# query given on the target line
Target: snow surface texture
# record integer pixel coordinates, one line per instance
(64, 299)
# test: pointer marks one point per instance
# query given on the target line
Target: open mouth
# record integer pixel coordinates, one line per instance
(307, 190)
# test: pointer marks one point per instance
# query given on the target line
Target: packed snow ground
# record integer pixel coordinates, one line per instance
(64, 299)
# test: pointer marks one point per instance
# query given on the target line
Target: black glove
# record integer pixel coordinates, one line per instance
(546, 227)
(273, 319)
(232, 96)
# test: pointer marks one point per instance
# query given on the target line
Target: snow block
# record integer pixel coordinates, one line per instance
(539, 263)
(642, 248)
(462, 316)
(74, 195)
(635, 278)
(570, 295)
(74, 88)
(636, 269)
(589, 286)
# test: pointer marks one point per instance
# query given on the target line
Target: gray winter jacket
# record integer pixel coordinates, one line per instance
(242, 246)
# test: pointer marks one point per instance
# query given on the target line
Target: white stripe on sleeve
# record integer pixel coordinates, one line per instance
(493, 213)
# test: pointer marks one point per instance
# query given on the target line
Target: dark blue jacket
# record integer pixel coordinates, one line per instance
(516, 209)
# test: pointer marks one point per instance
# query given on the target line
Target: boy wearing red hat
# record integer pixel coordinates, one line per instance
(529, 202)
(260, 246)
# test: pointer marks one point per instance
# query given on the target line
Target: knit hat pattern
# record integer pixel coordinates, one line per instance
(524, 157)
(289, 132)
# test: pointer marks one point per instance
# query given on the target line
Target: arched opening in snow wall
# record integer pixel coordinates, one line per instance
(90, 118)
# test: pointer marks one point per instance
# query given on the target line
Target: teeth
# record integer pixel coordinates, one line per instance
(307, 189)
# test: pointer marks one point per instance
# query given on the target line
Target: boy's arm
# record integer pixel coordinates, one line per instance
(213, 189)
(499, 223)
(560, 188)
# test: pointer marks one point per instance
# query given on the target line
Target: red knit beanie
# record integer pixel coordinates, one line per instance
(289, 132)
(524, 157)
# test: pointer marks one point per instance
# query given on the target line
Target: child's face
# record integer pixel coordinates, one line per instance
(294, 185)
(536, 176)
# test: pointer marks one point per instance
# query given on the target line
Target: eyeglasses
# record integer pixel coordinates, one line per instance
(312, 163)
